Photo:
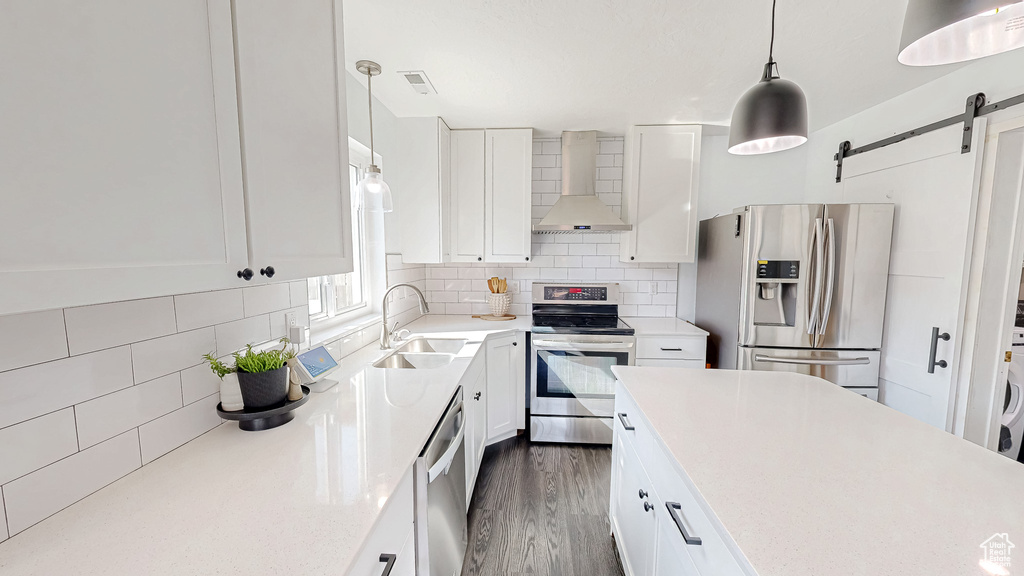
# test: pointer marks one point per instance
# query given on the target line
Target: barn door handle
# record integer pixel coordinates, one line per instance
(932, 363)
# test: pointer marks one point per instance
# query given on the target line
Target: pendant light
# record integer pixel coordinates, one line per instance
(373, 184)
(946, 31)
(771, 116)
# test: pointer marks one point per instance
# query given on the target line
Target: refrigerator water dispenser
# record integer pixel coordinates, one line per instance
(775, 297)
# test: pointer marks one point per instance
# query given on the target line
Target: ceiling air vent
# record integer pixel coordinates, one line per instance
(419, 81)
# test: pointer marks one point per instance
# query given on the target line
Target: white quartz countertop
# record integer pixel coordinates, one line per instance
(809, 478)
(664, 327)
(298, 499)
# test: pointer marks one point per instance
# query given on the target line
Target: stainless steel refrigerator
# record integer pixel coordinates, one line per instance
(797, 288)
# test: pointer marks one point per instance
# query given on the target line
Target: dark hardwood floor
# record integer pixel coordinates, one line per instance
(541, 509)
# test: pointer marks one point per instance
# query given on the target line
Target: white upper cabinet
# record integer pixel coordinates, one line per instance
(662, 171)
(421, 186)
(295, 137)
(508, 169)
(467, 203)
(119, 152)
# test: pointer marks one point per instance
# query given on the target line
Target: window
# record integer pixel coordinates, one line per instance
(338, 294)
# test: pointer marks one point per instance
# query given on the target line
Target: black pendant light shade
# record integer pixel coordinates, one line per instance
(946, 31)
(770, 117)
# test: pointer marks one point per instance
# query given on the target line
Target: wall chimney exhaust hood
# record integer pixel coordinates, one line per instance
(579, 209)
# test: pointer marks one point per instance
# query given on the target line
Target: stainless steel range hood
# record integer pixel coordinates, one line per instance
(579, 209)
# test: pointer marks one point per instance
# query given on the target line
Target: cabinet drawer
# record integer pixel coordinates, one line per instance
(627, 413)
(712, 556)
(392, 534)
(669, 363)
(671, 347)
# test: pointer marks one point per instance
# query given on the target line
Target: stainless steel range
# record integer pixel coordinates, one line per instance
(577, 338)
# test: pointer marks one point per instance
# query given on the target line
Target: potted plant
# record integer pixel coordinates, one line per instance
(262, 375)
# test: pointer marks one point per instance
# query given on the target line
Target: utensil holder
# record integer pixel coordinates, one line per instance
(499, 303)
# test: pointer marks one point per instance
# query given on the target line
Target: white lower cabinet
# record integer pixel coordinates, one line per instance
(474, 385)
(392, 536)
(659, 523)
(506, 386)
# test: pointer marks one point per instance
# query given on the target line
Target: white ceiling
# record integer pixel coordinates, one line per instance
(608, 64)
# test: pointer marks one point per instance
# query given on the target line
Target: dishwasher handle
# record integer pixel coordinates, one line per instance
(445, 461)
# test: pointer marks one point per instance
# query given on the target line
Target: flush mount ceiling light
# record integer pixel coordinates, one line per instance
(373, 185)
(771, 116)
(947, 31)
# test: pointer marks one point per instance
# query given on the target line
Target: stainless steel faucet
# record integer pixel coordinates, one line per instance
(385, 332)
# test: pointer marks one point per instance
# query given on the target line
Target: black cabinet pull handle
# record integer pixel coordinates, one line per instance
(476, 396)
(671, 349)
(643, 494)
(245, 274)
(648, 506)
(390, 559)
(673, 511)
(932, 362)
(268, 271)
(625, 422)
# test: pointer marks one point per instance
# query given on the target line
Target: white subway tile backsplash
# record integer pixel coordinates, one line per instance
(279, 324)
(161, 356)
(636, 298)
(666, 274)
(44, 492)
(443, 273)
(609, 275)
(583, 274)
(110, 415)
(555, 249)
(544, 161)
(183, 425)
(651, 311)
(257, 300)
(582, 249)
(596, 261)
(92, 328)
(627, 310)
(639, 274)
(458, 308)
(554, 273)
(44, 331)
(611, 146)
(36, 390)
(30, 445)
(299, 292)
(551, 146)
(551, 174)
(235, 335)
(208, 308)
(606, 249)
(197, 383)
(568, 261)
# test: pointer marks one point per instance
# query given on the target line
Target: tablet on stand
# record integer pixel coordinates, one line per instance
(314, 365)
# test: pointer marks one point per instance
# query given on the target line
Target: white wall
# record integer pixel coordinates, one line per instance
(728, 182)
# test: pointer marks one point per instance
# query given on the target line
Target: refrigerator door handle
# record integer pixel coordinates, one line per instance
(819, 249)
(830, 275)
(812, 361)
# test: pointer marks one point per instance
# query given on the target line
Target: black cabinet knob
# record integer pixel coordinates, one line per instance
(476, 396)
(268, 271)
(245, 274)
(479, 259)
(643, 494)
(632, 258)
(527, 258)
(648, 506)
(515, 343)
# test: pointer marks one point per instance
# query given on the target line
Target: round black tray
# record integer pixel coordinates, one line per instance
(254, 420)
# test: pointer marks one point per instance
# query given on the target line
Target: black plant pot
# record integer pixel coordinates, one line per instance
(263, 389)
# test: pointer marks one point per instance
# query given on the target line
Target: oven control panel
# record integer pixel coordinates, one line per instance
(579, 293)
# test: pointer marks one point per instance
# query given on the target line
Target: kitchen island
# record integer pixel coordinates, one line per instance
(298, 499)
(780, 474)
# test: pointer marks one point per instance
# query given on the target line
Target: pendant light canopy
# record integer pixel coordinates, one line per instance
(771, 116)
(372, 185)
(947, 31)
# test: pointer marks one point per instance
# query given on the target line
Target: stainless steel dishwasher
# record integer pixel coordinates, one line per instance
(441, 536)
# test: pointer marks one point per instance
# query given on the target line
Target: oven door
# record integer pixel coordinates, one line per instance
(572, 374)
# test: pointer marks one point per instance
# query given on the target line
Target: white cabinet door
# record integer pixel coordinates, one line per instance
(671, 555)
(119, 152)
(467, 197)
(295, 136)
(634, 505)
(420, 183)
(392, 534)
(504, 387)
(475, 399)
(508, 201)
(660, 194)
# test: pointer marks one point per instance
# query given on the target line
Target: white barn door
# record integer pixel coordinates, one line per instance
(935, 190)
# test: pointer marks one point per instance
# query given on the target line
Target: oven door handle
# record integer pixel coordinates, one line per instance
(568, 345)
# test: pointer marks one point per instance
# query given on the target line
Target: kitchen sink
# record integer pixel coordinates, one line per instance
(433, 345)
(415, 360)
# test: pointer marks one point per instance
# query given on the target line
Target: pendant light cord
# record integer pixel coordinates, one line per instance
(369, 92)
(771, 46)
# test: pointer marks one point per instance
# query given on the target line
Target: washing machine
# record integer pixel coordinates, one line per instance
(1013, 400)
